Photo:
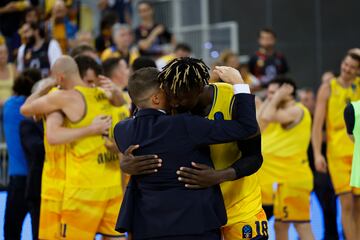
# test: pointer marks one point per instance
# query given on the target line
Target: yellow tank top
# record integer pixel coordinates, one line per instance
(245, 193)
(118, 114)
(338, 142)
(53, 175)
(89, 163)
(6, 84)
(285, 151)
(288, 143)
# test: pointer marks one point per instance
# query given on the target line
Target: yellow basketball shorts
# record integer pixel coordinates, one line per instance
(255, 227)
(292, 202)
(50, 219)
(340, 172)
(86, 212)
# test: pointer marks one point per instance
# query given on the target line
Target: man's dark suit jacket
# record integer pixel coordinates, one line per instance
(157, 204)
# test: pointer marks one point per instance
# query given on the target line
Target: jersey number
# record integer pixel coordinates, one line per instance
(261, 228)
(286, 213)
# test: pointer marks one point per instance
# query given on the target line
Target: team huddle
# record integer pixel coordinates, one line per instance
(195, 161)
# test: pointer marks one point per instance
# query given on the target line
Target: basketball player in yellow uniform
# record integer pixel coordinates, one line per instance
(286, 132)
(331, 101)
(242, 193)
(92, 192)
(252, 220)
(54, 141)
(53, 177)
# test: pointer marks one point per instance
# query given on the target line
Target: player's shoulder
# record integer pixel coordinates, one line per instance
(122, 127)
(222, 89)
(324, 90)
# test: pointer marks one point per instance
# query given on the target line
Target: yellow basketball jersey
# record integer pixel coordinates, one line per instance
(285, 150)
(53, 175)
(338, 142)
(245, 193)
(118, 114)
(89, 163)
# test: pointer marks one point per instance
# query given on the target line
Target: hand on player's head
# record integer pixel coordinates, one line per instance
(228, 74)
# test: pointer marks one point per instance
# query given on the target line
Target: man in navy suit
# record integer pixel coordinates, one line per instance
(158, 206)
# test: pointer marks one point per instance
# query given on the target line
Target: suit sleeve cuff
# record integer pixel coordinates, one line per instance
(241, 88)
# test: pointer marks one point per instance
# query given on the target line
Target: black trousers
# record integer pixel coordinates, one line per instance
(34, 209)
(325, 193)
(17, 206)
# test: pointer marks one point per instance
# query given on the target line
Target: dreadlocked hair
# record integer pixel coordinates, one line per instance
(184, 74)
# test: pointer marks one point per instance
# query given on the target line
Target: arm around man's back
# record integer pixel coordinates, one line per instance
(205, 132)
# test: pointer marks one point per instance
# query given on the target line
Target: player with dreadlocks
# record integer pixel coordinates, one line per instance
(185, 82)
(183, 94)
(159, 206)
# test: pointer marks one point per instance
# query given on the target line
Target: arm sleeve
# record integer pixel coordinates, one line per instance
(205, 132)
(349, 116)
(251, 158)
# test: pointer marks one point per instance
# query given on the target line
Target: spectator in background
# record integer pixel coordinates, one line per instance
(122, 8)
(83, 38)
(32, 141)
(152, 38)
(85, 50)
(181, 50)
(37, 52)
(122, 47)
(11, 15)
(231, 59)
(104, 40)
(7, 73)
(267, 63)
(49, 5)
(16, 205)
(60, 27)
(32, 15)
(322, 183)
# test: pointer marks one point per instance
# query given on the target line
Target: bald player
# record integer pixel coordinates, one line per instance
(92, 186)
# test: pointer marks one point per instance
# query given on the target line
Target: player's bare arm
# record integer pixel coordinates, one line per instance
(60, 100)
(260, 106)
(58, 134)
(318, 124)
(273, 112)
(114, 93)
